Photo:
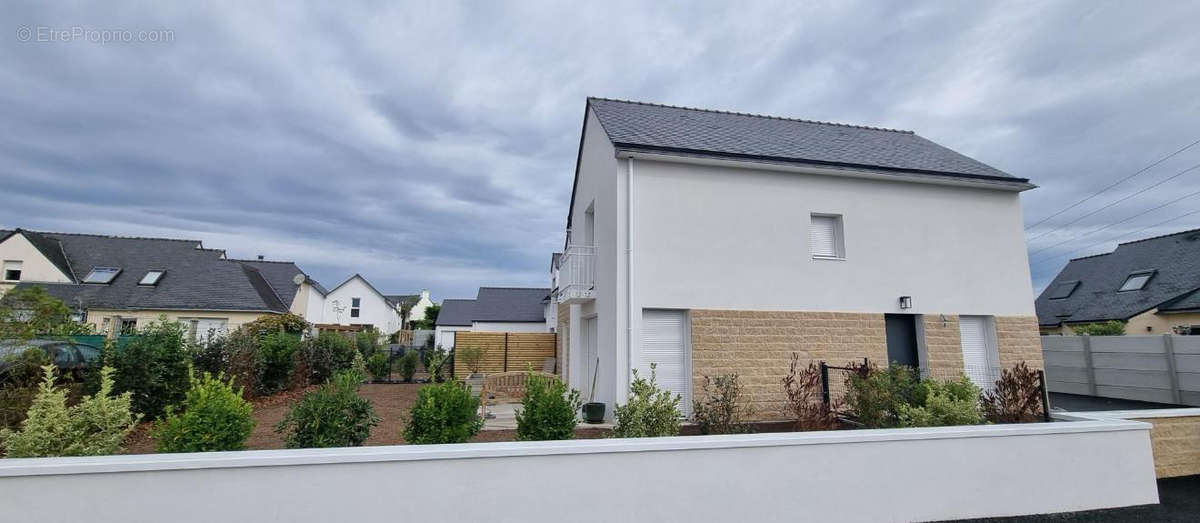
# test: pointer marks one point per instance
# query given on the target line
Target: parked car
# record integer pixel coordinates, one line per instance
(68, 356)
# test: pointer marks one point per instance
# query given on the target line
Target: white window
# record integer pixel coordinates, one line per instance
(201, 329)
(665, 343)
(1136, 281)
(151, 278)
(128, 327)
(101, 275)
(355, 304)
(825, 237)
(12, 270)
(981, 361)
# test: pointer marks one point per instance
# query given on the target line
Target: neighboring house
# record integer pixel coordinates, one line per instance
(412, 306)
(709, 242)
(356, 302)
(494, 309)
(1152, 284)
(120, 283)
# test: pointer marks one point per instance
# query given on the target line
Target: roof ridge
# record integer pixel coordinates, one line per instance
(114, 236)
(755, 115)
(257, 261)
(1090, 256)
(1159, 236)
(519, 288)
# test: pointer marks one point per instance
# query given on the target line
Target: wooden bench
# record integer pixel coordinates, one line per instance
(509, 386)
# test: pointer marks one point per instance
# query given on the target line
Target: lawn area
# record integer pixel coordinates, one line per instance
(392, 403)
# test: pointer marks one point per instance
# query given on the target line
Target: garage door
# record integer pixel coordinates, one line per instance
(664, 343)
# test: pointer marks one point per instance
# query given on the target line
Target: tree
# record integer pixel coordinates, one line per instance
(28, 312)
(431, 314)
(1107, 328)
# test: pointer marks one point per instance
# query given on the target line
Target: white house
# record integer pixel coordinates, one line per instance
(357, 302)
(711, 242)
(494, 309)
(412, 306)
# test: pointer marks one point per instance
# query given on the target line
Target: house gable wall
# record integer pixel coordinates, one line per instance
(34, 265)
(375, 309)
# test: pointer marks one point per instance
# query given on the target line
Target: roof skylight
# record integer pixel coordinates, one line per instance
(102, 275)
(1063, 290)
(151, 277)
(1136, 281)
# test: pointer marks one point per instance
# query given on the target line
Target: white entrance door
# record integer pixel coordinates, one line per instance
(590, 363)
(981, 362)
(665, 344)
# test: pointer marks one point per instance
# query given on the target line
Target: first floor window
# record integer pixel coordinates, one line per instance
(355, 307)
(12, 270)
(825, 236)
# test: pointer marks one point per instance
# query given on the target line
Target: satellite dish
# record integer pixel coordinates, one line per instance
(298, 279)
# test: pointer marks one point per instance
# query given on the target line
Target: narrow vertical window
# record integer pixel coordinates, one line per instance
(355, 307)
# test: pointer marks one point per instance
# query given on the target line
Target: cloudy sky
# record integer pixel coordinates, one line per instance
(434, 147)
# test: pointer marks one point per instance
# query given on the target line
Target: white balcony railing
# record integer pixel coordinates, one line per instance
(577, 274)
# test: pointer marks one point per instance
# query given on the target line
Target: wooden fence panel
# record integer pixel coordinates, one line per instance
(506, 351)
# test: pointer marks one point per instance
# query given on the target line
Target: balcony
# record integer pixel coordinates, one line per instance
(577, 274)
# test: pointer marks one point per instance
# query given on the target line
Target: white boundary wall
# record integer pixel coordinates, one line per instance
(861, 475)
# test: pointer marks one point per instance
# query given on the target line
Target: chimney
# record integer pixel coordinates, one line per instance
(260, 257)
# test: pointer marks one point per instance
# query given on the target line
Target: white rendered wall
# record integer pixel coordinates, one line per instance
(375, 309)
(509, 326)
(858, 475)
(443, 335)
(726, 238)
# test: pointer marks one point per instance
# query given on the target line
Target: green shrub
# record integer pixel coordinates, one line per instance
(874, 400)
(470, 357)
(408, 366)
(721, 411)
(212, 354)
(29, 312)
(367, 342)
(96, 426)
(444, 413)
(1107, 328)
(153, 367)
(380, 366)
(326, 354)
(277, 359)
(286, 322)
(649, 412)
(214, 417)
(435, 364)
(1016, 397)
(548, 410)
(23, 370)
(953, 402)
(334, 415)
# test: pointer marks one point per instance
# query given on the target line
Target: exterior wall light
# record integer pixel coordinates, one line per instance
(906, 302)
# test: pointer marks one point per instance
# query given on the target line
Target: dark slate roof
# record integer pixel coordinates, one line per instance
(281, 275)
(404, 301)
(1175, 258)
(195, 279)
(456, 313)
(53, 251)
(515, 304)
(654, 127)
(1186, 302)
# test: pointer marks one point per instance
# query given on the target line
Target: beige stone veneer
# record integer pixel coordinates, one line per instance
(564, 335)
(1176, 444)
(1017, 340)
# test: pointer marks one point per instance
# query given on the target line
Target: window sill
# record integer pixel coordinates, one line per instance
(830, 258)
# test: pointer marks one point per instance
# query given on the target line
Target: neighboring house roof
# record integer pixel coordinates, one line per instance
(404, 301)
(684, 129)
(49, 248)
(282, 277)
(1173, 258)
(195, 278)
(510, 304)
(456, 313)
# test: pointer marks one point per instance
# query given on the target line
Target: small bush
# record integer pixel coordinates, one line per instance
(874, 400)
(23, 370)
(276, 360)
(408, 366)
(548, 410)
(334, 415)
(326, 354)
(435, 364)
(649, 411)
(367, 342)
(211, 355)
(444, 413)
(1016, 398)
(1107, 328)
(286, 322)
(380, 366)
(214, 417)
(153, 367)
(96, 426)
(805, 403)
(14, 404)
(954, 402)
(470, 357)
(721, 412)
